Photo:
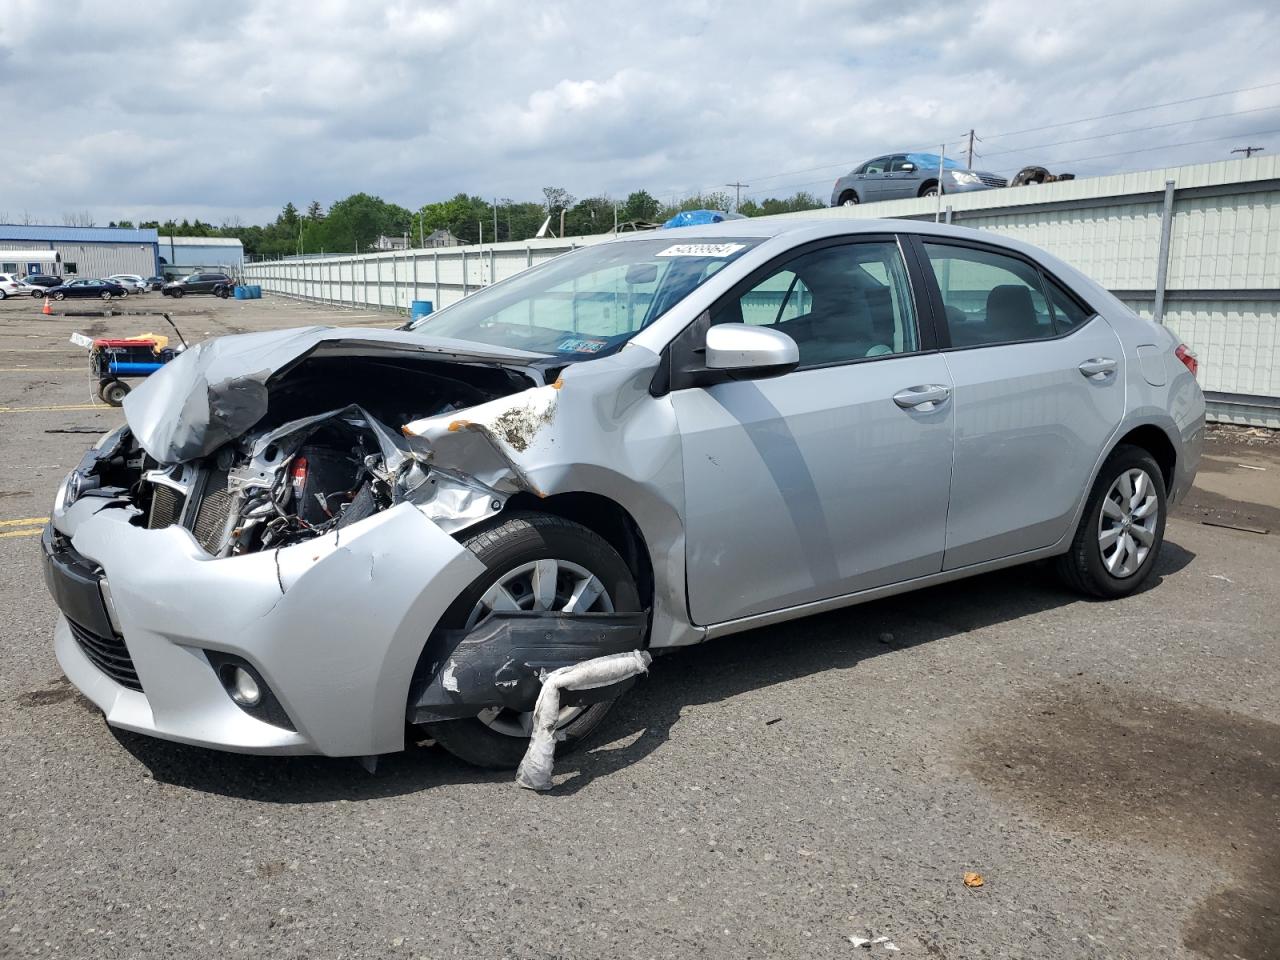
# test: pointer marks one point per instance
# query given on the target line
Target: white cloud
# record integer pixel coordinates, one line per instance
(185, 109)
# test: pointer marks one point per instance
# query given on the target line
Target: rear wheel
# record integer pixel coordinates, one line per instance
(848, 199)
(535, 561)
(1118, 541)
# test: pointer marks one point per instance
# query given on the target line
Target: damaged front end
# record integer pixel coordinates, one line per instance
(312, 442)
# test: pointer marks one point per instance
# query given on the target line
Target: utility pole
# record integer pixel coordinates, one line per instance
(738, 196)
(495, 220)
(970, 149)
(1248, 151)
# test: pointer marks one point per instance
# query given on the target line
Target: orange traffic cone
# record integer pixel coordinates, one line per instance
(48, 310)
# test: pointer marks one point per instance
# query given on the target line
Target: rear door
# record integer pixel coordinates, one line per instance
(1039, 393)
(832, 478)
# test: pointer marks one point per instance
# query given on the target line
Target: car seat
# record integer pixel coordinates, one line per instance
(1010, 314)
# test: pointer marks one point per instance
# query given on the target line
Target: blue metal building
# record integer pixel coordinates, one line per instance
(78, 251)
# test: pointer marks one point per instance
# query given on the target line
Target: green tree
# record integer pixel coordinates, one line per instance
(592, 215)
(640, 205)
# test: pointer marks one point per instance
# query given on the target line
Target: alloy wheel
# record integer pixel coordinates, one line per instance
(539, 585)
(1127, 523)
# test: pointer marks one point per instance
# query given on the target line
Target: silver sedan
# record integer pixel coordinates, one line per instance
(304, 541)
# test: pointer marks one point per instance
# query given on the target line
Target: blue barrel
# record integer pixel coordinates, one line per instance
(241, 293)
(257, 292)
(127, 369)
(419, 309)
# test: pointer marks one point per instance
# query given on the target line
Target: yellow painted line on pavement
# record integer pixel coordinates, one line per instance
(24, 522)
(7, 535)
(56, 408)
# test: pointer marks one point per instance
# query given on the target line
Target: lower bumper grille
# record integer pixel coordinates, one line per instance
(108, 654)
(994, 181)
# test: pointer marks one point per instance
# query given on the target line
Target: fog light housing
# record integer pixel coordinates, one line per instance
(244, 689)
(248, 689)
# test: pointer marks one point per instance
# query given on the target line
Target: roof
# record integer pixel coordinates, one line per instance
(202, 241)
(52, 234)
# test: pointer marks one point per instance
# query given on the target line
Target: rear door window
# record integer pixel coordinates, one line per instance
(988, 297)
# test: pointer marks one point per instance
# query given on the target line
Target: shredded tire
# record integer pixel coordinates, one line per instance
(505, 543)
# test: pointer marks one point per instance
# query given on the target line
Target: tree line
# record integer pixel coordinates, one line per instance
(355, 223)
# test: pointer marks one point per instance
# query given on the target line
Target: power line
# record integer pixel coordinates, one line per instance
(1121, 113)
(1118, 133)
(1161, 146)
(961, 141)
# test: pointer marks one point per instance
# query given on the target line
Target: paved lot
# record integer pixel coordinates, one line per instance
(1111, 769)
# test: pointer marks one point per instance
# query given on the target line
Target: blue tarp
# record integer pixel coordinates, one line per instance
(699, 218)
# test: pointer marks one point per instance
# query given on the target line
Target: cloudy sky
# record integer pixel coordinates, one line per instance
(227, 110)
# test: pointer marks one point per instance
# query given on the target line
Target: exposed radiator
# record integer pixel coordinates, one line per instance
(210, 525)
(166, 506)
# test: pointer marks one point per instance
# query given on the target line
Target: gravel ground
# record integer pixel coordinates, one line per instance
(1110, 769)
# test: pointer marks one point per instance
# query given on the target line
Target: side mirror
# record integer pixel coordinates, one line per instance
(755, 351)
(908, 167)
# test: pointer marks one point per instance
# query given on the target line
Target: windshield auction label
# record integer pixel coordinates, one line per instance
(702, 250)
(581, 345)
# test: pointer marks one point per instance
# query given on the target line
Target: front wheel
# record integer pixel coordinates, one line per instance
(930, 190)
(59, 296)
(176, 294)
(1118, 541)
(114, 392)
(534, 561)
(38, 294)
(106, 294)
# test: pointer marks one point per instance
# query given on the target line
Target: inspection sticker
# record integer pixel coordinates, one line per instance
(80, 340)
(581, 345)
(702, 250)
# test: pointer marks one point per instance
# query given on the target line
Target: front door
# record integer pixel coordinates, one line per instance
(1039, 393)
(830, 479)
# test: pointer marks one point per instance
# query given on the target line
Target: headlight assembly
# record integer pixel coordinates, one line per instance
(965, 177)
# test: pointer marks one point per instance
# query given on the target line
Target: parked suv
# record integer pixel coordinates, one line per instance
(901, 176)
(39, 284)
(11, 285)
(218, 284)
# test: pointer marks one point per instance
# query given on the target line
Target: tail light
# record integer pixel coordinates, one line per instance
(298, 477)
(1188, 358)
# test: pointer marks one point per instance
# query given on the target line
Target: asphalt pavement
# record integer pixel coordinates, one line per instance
(1111, 770)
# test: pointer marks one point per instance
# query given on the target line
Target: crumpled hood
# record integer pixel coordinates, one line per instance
(217, 390)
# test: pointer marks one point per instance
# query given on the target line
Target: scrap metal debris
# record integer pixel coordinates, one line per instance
(1235, 526)
(535, 769)
(972, 879)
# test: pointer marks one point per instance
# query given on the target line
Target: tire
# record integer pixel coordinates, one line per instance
(849, 199)
(38, 295)
(1098, 564)
(224, 293)
(59, 296)
(106, 294)
(928, 190)
(3, 295)
(503, 546)
(114, 392)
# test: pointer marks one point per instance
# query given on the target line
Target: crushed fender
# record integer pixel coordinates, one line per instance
(535, 769)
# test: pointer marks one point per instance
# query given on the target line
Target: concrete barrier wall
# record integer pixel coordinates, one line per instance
(1220, 290)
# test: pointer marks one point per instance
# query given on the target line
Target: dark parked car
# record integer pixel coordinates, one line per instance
(38, 280)
(218, 284)
(88, 288)
(155, 283)
(899, 176)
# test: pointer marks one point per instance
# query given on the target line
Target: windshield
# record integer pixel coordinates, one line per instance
(589, 302)
(929, 161)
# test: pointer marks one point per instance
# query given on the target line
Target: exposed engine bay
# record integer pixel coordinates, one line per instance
(328, 452)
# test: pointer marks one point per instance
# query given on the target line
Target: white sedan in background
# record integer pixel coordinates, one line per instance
(130, 281)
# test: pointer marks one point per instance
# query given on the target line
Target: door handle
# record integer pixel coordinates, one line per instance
(923, 398)
(1099, 368)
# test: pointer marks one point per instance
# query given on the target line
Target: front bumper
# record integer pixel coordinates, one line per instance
(334, 626)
